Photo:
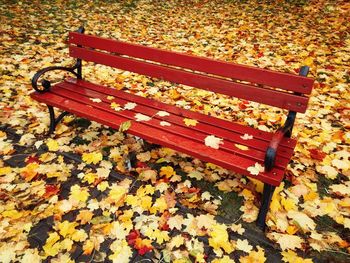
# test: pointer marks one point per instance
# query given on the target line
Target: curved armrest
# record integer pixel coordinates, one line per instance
(46, 83)
(270, 155)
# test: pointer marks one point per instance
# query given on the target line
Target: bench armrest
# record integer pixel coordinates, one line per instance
(285, 131)
(271, 151)
(46, 84)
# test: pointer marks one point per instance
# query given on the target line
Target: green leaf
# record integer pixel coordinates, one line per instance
(125, 126)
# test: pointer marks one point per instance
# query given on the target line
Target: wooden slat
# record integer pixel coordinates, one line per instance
(243, 91)
(193, 148)
(177, 127)
(251, 74)
(221, 128)
(202, 118)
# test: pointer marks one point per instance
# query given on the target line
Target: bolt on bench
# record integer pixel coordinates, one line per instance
(264, 156)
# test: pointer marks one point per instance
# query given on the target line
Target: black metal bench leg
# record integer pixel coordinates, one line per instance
(53, 120)
(265, 204)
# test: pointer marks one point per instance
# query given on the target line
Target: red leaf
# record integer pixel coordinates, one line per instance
(32, 159)
(51, 190)
(141, 165)
(133, 235)
(317, 154)
(144, 250)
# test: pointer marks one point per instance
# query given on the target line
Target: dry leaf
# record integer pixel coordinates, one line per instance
(213, 142)
(97, 100)
(141, 117)
(256, 169)
(190, 122)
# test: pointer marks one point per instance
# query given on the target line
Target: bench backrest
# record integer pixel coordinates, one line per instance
(273, 88)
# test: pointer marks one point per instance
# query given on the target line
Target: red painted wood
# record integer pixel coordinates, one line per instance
(198, 150)
(270, 97)
(202, 118)
(260, 76)
(151, 107)
(178, 128)
(276, 139)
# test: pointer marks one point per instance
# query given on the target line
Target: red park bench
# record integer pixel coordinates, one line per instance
(269, 153)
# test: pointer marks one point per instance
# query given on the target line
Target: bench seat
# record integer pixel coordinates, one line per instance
(74, 96)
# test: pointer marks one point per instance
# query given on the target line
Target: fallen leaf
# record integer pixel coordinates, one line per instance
(256, 169)
(94, 157)
(287, 241)
(212, 141)
(246, 137)
(97, 100)
(141, 117)
(125, 126)
(52, 145)
(242, 147)
(116, 106)
(292, 257)
(243, 245)
(130, 106)
(163, 113)
(190, 122)
(165, 123)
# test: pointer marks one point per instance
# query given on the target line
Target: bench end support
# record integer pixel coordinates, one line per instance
(265, 204)
(54, 121)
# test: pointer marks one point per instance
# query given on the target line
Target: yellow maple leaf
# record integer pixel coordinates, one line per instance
(254, 257)
(303, 220)
(308, 61)
(310, 196)
(224, 259)
(190, 122)
(90, 178)
(13, 214)
(148, 175)
(66, 244)
(30, 171)
(242, 147)
(79, 235)
(51, 248)
(132, 200)
(158, 235)
(288, 204)
(146, 202)
(160, 205)
(66, 228)
(88, 247)
(116, 106)
(5, 170)
(126, 216)
(79, 194)
(117, 193)
(52, 145)
(167, 171)
(292, 257)
(145, 190)
(103, 186)
(259, 186)
(219, 238)
(84, 216)
(176, 241)
(287, 241)
(94, 157)
(243, 245)
(176, 222)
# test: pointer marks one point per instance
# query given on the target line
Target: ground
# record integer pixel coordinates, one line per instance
(92, 194)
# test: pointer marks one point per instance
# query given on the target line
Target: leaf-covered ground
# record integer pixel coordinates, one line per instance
(91, 194)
